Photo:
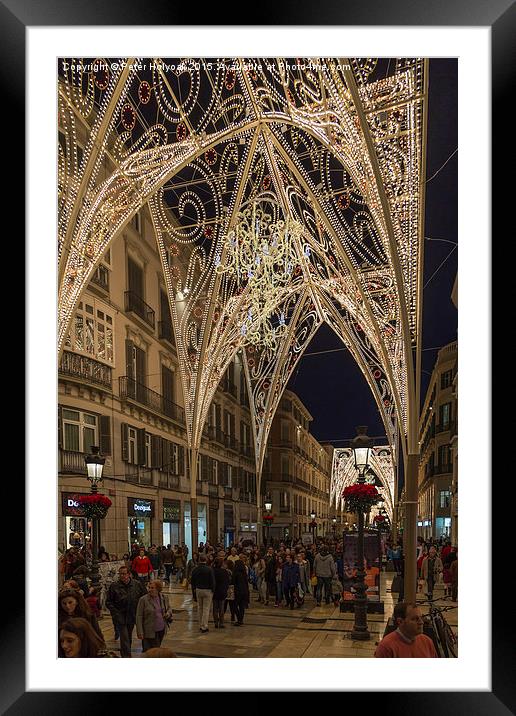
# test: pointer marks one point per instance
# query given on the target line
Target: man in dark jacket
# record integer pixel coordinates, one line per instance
(122, 600)
(203, 586)
(325, 570)
(167, 557)
(290, 578)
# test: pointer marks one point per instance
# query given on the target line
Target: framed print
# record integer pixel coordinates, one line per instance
(249, 158)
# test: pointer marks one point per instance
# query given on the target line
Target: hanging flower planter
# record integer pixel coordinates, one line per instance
(360, 497)
(268, 519)
(381, 523)
(95, 506)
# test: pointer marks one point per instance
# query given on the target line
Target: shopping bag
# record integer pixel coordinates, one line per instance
(184, 583)
(313, 581)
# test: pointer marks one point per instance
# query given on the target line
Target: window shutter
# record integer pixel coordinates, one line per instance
(181, 459)
(167, 382)
(105, 434)
(155, 451)
(204, 468)
(129, 359)
(140, 442)
(125, 443)
(60, 426)
(165, 455)
(165, 307)
(135, 276)
(140, 366)
(232, 424)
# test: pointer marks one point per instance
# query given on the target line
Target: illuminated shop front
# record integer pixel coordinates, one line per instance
(171, 522)
(77, 527)
(140, 513)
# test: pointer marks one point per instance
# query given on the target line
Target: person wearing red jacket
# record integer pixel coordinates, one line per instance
(142, 566)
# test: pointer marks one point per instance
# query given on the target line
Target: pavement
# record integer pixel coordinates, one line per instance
(275, 632)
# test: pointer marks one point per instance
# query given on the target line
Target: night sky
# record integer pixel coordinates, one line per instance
(331, 385)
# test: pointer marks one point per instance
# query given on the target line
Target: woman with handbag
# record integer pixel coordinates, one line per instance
(153, 616)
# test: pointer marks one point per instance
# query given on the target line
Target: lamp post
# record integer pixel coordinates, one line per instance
(268, 508)
(361, 446)
(334, 526)
(313, 526)
(94, 465)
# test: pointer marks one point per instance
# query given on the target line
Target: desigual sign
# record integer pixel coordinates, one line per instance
(70, 506)
(140, 508)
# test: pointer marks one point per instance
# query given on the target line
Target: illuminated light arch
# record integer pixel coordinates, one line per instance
(339, 147)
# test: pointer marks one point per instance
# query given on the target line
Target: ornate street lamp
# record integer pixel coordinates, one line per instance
(361, 446)
(268, 517)
(94, 465)
(313, 526)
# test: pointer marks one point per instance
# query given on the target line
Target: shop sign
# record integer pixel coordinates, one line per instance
(140, 508)
(69, 504)
(171, 511)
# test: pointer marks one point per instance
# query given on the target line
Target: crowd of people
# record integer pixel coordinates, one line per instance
(222, 581)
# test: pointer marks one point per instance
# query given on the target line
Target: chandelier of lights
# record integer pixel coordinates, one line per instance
(260, 253)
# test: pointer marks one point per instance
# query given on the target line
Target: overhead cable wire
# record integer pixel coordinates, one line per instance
(442, 167)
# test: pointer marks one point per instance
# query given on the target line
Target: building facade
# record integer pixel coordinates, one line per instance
(297, 473)
(437, 427)
(119, 388)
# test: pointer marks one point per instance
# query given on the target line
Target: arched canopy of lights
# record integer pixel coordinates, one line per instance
(344, 473)
(283, 194)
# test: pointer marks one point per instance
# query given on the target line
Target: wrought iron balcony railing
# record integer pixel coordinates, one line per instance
(165, 331)
(72, 462)
(169, 481)
(78, 366)
(442, 428)
(137, 305)
(133, 390)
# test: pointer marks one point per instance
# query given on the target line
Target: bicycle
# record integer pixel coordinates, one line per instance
(443, 636)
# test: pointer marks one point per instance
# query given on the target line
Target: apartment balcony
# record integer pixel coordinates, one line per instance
(138, 475)
(137, 305)
(443, 469)
(101, 278)
(132, 390)
(72, 462)
(442, 428)
(83, 368)
(165, 331)
(171, 482)
(230, 388)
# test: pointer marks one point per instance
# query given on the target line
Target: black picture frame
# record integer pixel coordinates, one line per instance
(500, 16)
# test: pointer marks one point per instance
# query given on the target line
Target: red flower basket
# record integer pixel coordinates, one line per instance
(95, 505)
(268, 519)
(360, 497)
(380, 522)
